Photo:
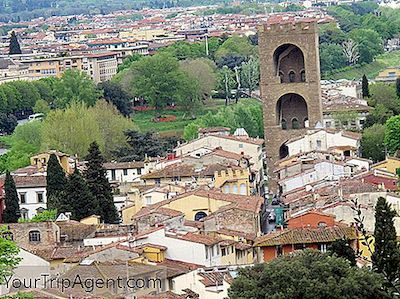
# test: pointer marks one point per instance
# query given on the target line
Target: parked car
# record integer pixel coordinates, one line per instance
(36, 116)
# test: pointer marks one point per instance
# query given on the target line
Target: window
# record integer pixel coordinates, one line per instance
(39, 196)
(22, 198)
(292, 76)
(322, 224)
(303, 76)
(235, 189)
(319, 144)
(240, 145)
(243, 190)
(226, 189)
(40, 210)
(223, 251)
(148, 200)
(34, 236)
(322, 247)
(24, 213)
(157, 181)
(299, 246)
(113, 174)
(284, 124)
(199, 215)
(328, 124)
(139, 171)
(295, 123)
(206, 253)
(125, 171)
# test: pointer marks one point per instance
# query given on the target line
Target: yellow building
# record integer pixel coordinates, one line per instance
(41, 160)
(142, 34)
(91, 220)
(389, 74)
(235, 181)
(152, 252)
(389, 166)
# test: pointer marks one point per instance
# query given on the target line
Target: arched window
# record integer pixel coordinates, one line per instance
(295, 123)
(226, 189)
(199, 215)
(284, 124)
(34, 236)
(235, 189)
(322, 224)
(243, 190)
(281, 77)
(303, 76)
(292, 76)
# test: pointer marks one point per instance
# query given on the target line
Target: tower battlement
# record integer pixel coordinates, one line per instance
(288, 28)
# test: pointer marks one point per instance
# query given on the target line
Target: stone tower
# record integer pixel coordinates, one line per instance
(290, 86)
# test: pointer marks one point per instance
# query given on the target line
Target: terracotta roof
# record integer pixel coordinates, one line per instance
(214, 278)
(31, 181)
(145, 211)
(196, 238)
(306, 236)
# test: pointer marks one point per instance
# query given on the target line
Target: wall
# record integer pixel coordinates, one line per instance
(31, 199)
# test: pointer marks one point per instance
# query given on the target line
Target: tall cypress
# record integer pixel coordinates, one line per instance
(14, 48)
(365, 86)
(78, 199)
(97, 181)
(56, 183)
(12, 212)
(398, 86)
(386, 256)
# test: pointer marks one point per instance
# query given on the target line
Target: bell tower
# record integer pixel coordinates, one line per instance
(290, 86)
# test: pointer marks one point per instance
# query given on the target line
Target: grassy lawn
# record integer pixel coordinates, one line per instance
(371, 70)
(143, 119)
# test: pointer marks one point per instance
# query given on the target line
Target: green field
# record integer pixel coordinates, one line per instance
(143, 119)
(371, 70)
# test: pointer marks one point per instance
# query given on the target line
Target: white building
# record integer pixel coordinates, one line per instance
(183, 246)
(322, 140)
(125, 172)
(32, 194)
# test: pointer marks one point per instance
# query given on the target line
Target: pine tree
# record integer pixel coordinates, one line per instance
(78, 199)
(398, 86)
(56, 183)
(15, 48)
(365, 87)
(386, 256)
(12, 212)
(97, 181)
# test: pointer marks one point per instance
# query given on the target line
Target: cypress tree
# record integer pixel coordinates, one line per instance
(365, 86)
(78, 200)
(12, 212)
(398, 86)
(386, 256)
(14, 48)
(342, 248)
(56, 183)
(97, 181)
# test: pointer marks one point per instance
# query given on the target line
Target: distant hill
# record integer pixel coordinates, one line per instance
(18, 10)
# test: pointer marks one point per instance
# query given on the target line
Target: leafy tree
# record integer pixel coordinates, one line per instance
(12, 212)
(8, 255)
(41, 106)
(392, 134)
(78, 199)
(231, 61)
(331, 57)
(379, 115)
(386, 255)
(75, 86)
(331, 34)
(142, 144)
(202, 71)
(226, 83)
(46, 215)
(385, 94)
(236, 45)
(114, 94)
(26, 93)
(14, 47)
(372, 143)
(307, 274)
(98, 184)
(341, 248)
(72, 130)
(56, 182)
(159, 80)
(369, 43)
(8, 123)
(250, 74)
(45, 89)
(365, 87)
(183, 50)
(128, 61)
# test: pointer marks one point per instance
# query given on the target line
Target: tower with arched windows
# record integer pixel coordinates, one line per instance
(289, 85)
